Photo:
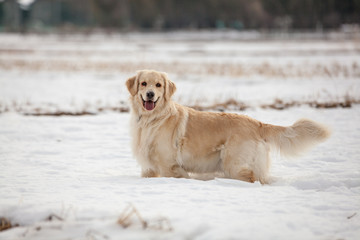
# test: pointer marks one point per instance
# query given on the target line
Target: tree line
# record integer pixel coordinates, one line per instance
(249, 14)
(186, 14)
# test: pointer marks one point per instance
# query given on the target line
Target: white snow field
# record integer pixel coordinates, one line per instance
(74, 177)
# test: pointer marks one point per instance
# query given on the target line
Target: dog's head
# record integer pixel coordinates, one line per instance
(150, 89)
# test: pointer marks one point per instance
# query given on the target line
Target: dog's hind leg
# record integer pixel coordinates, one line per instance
(243, 174)
(148, 173)
(247, 161)
(234, 163)
(240, 172)
(175, 171)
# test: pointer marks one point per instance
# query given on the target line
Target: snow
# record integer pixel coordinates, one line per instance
(72, 72)
(81, 169)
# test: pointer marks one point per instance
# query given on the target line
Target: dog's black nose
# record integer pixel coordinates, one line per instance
(150, 95)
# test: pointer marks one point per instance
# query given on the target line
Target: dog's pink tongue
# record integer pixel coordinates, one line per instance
(149, 105)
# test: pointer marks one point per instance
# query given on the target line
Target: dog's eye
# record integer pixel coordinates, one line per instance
(158, 85)
(144, 84)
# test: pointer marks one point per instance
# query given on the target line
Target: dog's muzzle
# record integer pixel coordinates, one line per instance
(149, 104)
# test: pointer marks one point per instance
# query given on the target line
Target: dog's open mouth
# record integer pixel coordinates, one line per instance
(149, 105)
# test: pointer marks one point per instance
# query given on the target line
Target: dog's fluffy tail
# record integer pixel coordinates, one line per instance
(293, 140)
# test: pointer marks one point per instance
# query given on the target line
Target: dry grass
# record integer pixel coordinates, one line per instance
(334, 69)
(352, 215)
(128, 218)
(42, 112)
(29, 109)
(53, 216)
(228, 105)
(6, 224)
(131, 216)
(279, 104)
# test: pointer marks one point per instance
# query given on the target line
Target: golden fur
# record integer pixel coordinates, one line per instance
(171, 140)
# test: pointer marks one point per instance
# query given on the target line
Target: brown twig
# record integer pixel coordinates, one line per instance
(162, 224)
(128, 212)
(6, 224)
(53, 216)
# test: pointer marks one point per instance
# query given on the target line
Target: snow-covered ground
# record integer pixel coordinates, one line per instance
(80, 170)
(87, 73)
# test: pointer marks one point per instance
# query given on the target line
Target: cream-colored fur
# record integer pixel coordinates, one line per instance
(172, 140)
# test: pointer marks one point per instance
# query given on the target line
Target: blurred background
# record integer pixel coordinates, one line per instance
(64, 110)
(164, 15)
(73, 57)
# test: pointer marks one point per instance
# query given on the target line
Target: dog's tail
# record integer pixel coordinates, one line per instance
(293, 140)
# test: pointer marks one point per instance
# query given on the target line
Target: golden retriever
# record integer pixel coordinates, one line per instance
(170, 140)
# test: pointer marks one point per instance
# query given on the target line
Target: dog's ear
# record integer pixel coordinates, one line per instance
(132, 85)
(170, 87)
